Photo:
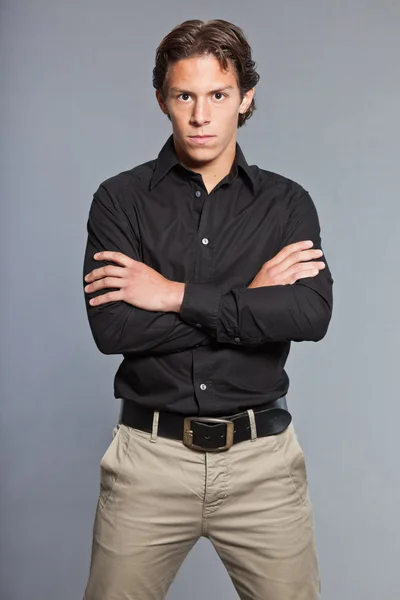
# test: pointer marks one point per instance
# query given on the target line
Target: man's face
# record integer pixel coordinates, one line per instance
(203, 102)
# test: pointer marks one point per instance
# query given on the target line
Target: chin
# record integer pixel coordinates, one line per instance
(202, 154)
(202, 150)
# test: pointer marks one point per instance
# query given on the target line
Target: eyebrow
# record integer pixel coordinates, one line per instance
(185, 91)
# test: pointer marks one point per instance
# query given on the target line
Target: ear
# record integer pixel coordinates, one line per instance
(247, 100)
(161, 102)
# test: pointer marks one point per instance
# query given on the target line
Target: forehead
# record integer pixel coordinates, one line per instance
(200, 71)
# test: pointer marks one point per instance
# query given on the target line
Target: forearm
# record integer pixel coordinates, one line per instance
(259, 315)
(119, 328)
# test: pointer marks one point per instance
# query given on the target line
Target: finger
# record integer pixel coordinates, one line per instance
(297, 271)
(288, 250)
(109, 297)
(307, 266)
(305, 274)
(105, 282)
(300, 257)
(106, 271)
(117, 257)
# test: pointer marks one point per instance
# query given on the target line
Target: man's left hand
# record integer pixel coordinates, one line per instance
(137, 283)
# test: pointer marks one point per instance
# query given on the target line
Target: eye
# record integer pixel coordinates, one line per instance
(184, 97)
(221, 96)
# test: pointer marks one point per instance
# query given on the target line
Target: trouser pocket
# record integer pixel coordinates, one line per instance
(112, 461)
(294, 461)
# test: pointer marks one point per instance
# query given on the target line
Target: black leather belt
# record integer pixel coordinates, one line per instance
(209, 434)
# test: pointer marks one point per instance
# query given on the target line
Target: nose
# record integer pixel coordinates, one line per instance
(201, 112)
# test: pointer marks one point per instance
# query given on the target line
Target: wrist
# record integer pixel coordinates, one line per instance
(174, 297)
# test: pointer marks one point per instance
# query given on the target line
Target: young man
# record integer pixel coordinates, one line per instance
(201, 270)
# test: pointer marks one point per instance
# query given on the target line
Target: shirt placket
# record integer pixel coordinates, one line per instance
(203, 273)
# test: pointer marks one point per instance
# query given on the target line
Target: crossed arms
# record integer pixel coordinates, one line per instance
(134, 309)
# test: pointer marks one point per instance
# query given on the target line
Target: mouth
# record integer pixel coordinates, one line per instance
(201, 139)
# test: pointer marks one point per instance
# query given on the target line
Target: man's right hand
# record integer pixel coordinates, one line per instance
(289, 265)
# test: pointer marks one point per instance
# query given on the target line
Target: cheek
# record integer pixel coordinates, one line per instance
(229, 118)
(228, 111)
(179, 116)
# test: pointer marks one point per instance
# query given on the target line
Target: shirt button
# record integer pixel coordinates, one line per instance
(205, 241)
(203, 386)
(237, 339)
(198, 194)
(199, 325)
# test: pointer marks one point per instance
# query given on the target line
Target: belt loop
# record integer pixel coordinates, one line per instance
(154, 432)
(253, 427)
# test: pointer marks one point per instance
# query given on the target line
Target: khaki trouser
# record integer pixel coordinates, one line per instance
(157, 497)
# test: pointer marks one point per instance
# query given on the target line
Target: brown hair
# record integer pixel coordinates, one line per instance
(222, 39)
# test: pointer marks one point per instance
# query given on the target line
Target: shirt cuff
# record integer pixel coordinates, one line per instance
(200, 305)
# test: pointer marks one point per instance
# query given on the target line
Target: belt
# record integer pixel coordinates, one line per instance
(209, 434)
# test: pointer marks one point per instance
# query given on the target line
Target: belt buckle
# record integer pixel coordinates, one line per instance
(188, 433)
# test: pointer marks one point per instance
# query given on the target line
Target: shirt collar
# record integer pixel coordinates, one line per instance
(168, 158)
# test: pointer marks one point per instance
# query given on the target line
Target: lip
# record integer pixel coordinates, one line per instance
(201, 139)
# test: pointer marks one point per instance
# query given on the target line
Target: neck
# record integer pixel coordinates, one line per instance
(213, 171)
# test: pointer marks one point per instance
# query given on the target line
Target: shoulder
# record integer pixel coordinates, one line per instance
(138, 177)
(288, 193)
(280, 184)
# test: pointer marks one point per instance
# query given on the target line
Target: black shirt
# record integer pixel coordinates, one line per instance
(226, 350)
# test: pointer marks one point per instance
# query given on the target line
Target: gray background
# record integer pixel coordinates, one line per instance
(77, 106)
